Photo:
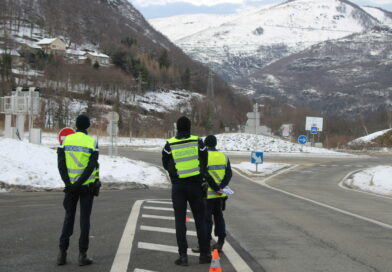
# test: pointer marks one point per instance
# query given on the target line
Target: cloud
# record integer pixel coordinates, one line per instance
(381, 2)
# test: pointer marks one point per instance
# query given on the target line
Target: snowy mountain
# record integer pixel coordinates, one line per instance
(343, 77)
(244, 43)
(382, 15)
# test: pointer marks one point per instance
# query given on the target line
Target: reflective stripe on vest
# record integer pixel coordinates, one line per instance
(185, 154)
(78, 148)
(216, 166)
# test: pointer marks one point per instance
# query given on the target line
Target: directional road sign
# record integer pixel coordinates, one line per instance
(257, 157)
(302, 139)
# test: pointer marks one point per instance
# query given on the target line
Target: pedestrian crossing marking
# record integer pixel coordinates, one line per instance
(159, 208)
(165, 230)
(164, 248)
(159, 202)
(162, 217)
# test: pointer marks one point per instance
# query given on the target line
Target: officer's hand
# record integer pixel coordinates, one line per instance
(220, 192)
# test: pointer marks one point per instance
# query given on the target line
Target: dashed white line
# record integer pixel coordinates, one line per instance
(159, 208)
(165, 230)
(142, 270)
(159, 202)
(164, 248)
(162, 217)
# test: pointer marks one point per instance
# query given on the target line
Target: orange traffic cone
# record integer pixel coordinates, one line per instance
(215, 262)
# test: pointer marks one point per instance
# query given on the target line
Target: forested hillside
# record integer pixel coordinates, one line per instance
(142, 61)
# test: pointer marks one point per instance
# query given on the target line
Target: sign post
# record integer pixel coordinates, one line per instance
(112, 129)
(257, 158)
(302, 140)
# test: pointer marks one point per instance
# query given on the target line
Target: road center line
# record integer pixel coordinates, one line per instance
(264, 184)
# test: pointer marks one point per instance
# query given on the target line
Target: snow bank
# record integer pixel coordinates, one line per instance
(265, 169)
(376, 180)
(246, 142)
(369, 138)
(25, 164)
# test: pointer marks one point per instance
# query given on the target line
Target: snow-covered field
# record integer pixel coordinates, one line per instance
(375, 180)
(265, 169)
(25, 164)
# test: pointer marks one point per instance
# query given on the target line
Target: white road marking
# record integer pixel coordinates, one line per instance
(165, 230)
(159, 208)
(162, 217)
(164, 248)
(142, 270)
(121, 260)
(159, 202)
(264, 183)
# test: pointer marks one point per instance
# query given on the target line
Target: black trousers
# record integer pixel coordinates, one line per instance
(193, 194)
(70, 203)
(214, 209)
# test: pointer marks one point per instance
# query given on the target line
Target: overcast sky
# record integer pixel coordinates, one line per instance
(163, 8)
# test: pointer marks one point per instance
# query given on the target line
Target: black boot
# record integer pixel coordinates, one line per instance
(84, 260)
(219, 244)
(183, 260)
(204, 258)
(196, 250)
(62, 257)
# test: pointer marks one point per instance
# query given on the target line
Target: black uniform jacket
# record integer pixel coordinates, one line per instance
(92, 164)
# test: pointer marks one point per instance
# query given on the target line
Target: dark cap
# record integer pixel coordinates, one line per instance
(183, 124)
(82, 122)
(210, 141)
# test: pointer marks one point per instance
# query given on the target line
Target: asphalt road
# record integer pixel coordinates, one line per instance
(270, 230)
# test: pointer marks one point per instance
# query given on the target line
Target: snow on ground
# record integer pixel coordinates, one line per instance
(369, 138)
(247, 142)
(165, 100)
(26, 164)
(265, 169)
(376, 180)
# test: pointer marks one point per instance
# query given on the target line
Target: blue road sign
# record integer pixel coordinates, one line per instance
(314, 130)
(302, 139)
(257, 157)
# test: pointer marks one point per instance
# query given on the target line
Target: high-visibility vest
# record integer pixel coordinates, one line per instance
(185, 154)
(216, 166)
(78, 148)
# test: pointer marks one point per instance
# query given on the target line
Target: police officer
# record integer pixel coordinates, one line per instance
(78, 167)
(218, 177)
(184, 157)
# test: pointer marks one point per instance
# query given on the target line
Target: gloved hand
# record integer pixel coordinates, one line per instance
(95, 188)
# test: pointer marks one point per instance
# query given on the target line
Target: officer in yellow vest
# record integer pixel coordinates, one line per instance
(184, 157)
(78, 167)
(218, 177)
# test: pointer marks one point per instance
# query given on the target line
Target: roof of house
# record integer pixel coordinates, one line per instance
(96, 54)
(11, 52)
(75, 52)
(47, 41)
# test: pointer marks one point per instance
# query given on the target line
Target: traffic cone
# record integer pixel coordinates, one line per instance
(215, 262)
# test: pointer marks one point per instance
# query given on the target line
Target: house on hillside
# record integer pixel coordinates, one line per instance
(74, 55)
(94, 57)
(52, 46)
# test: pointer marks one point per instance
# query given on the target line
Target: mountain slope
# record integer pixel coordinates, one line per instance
(241, 46)
(382, 15)
(343, 77)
